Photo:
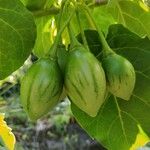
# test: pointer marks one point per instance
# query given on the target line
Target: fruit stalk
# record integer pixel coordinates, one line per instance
(81, 30)
(45, 12)
(74, 42)
(106, 48)
(53, 51)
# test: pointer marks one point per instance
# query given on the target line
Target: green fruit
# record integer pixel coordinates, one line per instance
(35, 4)
(120, 75)
(41, 88)
(85, 81)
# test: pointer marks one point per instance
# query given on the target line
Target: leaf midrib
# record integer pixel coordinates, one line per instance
(121, 120)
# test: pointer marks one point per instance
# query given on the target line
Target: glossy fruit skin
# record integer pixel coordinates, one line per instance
(120, 75)
(85, 81)
(35, 4)
(41, 88)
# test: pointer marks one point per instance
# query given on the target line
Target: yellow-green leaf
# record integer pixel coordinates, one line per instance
(6, 134)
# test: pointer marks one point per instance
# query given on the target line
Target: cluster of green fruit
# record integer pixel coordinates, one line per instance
(85, 79)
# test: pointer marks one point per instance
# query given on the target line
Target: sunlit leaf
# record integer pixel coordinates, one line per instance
(7, 137)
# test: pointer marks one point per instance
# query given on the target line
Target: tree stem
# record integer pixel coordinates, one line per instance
(46, 12)
(98, 3)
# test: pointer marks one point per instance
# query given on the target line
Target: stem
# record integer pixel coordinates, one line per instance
(98, 3)
(60, 15)
(74, 42)
(90, 21)
(59, 21)
(46, 12)
(7, 88)
(82, 31)
(53, 50)
(106, 48)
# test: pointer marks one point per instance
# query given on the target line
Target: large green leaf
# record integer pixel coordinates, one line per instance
(115, 126)
(103, 17)
(17, 35)
(131, 15)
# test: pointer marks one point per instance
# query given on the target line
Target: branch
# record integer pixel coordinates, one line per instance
(41, 13)
(98, 3)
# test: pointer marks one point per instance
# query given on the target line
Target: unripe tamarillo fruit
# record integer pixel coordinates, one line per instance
(41, 88)
(120, 75)
(85, 81)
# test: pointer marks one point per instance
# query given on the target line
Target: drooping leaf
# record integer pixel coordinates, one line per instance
(17, 35)
(116, 124)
